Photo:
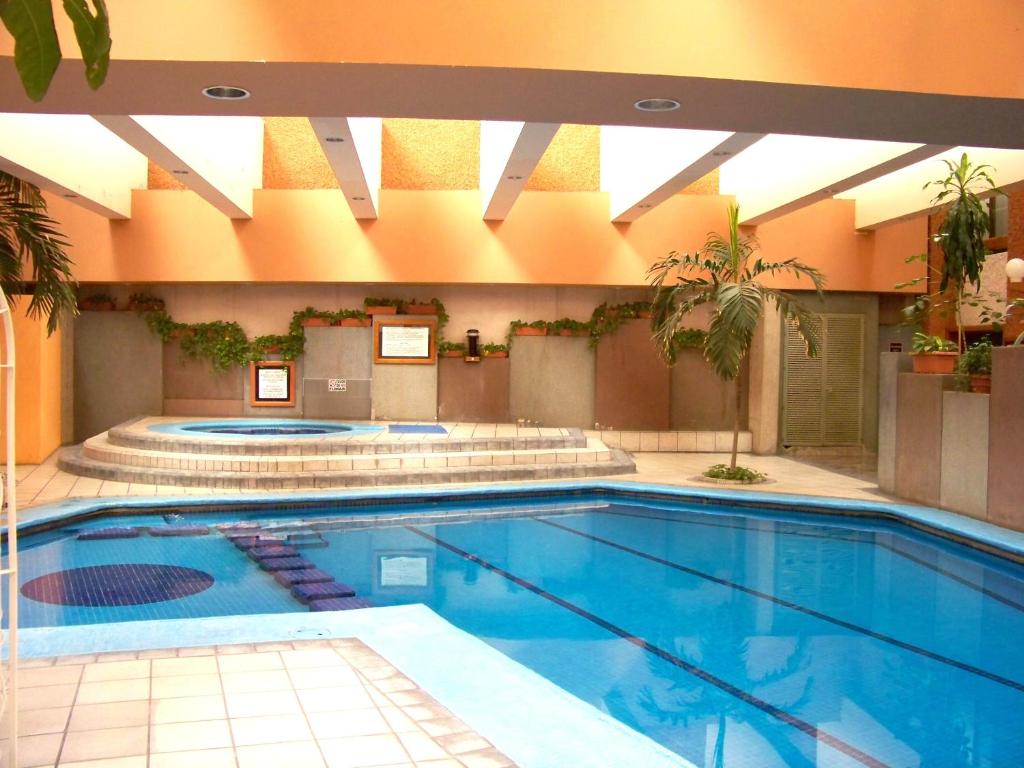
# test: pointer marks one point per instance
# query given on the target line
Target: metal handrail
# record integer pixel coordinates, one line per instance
(10, 702)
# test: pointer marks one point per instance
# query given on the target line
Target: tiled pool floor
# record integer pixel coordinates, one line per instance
(302, 704)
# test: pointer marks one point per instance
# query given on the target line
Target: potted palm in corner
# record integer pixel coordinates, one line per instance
(725, 276)
(933, 354)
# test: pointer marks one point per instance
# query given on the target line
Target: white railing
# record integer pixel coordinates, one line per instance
(9, 574)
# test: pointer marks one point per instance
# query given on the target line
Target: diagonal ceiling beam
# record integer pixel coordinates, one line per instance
(643, 167)
(218, 158)
(783, 173)
(509, 151)
(75, 157)
(353, 148)
(901, 195)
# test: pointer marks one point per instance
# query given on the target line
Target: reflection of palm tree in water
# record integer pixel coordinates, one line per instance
(686, 697)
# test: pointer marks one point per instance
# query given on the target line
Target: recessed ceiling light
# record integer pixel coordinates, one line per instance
(514, 178)
(721, 153)
(179, 172)
(334, 139)
(70, 195)
(656, 105)
(225, 92)
(644, 205)
(358, 198)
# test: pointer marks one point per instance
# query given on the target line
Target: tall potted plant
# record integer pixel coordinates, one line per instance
(725, 275)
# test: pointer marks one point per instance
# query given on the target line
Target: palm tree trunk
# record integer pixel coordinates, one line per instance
(736, 418)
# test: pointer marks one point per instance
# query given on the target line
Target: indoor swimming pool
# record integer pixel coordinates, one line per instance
(733, 637)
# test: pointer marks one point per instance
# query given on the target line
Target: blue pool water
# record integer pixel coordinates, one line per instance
(261, 428)
(731, 637)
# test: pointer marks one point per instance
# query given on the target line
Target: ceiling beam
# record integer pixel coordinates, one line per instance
(784, 173)
(218, 158)
(75, 157)
(353, 148)
(901, 195)
(509, 151)
(643, 167)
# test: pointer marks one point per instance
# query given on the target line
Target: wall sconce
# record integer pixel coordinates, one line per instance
(1015, 270)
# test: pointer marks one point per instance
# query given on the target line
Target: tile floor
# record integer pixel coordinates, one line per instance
(304, 704)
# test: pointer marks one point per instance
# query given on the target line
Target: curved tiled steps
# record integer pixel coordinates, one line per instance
(100, 458)
(128, 436)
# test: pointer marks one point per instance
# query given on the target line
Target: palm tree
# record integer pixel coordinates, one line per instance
(29, 236)
(725, 276)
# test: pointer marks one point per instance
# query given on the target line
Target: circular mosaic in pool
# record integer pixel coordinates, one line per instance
(98, 586)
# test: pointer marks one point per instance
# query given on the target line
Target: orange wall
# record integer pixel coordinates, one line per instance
(874, 44)
(36, 389)
(552, 238)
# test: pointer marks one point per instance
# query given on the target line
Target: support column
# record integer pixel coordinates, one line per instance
(765, 383)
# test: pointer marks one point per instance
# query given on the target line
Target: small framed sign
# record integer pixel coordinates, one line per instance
(404, 340)
(272, 383)
(403, 569)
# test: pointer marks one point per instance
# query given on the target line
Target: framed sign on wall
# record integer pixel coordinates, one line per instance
(404, 340)
(272, 383)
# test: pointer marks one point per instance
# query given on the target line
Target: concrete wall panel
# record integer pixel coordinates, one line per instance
(700, 399)
(195, 388)
(337, 353)
(404, 392)
(919, 436)
(891, 365)
(1006, 426)
(118, 371)
(964, 473)
(552, 381)
(473, 391)
(632, 382)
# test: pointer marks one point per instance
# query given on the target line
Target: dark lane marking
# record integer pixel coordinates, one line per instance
(794, 606)
(811, 730)
(856, 540)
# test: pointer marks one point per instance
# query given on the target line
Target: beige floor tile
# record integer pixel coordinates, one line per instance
(46, 697)
(244, 682)
(313, 658)
(64, 675)
(113, 690)
(196, 651)
(352, 722)
(363, 751)
(399, 723)
(269, 730)
(250, 662)
(447, 763)
(206, 758)
(186, 685)
(262, 703)
(330, 699)
(421, 747)
(301, 753)
(108, 742)
(327, 677)
(94, 717)
(181, 737)
(188, 709)
(488, 758)
(115, 670)
(458, 743)
(136, 761)
(35, 722)
(198, 665)
(104, 658)
(36, 750)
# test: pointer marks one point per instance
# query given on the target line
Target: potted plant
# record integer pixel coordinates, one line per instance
(310, 318)
(376, 306)
(98, 302)
(725, 276)
(569, 327)
(144, 302)
(976, 366)
(415, 307)
(451, 349)
(933, 354)
(352, 318)
(495, 350)
(536, 328)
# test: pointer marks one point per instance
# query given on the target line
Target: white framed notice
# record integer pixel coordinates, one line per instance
(272, 383)
(404, 340)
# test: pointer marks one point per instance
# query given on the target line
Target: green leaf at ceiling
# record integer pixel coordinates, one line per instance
(93, 34)
(36, 50)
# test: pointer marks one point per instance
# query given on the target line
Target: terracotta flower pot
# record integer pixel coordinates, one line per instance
(453, 353)
(935, 362)
(420, 309)
(316, 322)
(496, 354)
(274, 350)
(528, 331)
(381, 310)
(981, 383)
(354, 322)
(644, 314)
(570, 332)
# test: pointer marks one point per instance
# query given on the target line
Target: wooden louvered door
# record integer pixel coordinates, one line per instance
(823, 396)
